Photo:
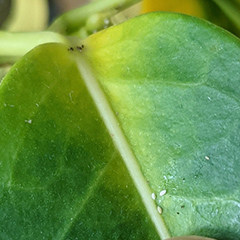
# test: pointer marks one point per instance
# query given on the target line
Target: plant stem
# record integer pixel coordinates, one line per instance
(76, 19)
(15, 45)
(232, 9)
(124, 15)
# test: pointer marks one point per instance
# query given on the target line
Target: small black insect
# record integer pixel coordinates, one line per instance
(80, 48)
(70, 49)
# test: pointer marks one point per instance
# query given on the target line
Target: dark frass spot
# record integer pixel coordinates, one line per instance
(80, 48)
(70, 49)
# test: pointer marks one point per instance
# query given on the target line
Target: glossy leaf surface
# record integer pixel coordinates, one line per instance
(61, 176)
(172, 83)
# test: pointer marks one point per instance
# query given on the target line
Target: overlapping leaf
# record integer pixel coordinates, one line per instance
(173, 84)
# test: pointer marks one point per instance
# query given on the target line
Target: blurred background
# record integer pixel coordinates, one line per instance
(35, 15)
(45, 10)
(66, 5)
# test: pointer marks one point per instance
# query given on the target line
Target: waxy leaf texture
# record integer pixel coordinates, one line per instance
(135, 136)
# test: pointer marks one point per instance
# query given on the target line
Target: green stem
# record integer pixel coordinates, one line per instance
(76, 19)
(15, 45)
(232, 9)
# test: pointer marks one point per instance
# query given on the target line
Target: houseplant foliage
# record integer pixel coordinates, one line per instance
(223, 13)
(131, 133)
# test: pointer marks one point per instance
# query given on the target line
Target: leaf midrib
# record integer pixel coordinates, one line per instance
(121, 144)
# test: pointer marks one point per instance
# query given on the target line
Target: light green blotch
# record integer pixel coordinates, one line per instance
(167, 80)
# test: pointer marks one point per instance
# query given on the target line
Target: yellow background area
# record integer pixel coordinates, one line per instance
(190, 7)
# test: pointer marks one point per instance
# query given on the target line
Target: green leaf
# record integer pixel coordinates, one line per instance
(61, 176)
(14, 45)
(89, 137)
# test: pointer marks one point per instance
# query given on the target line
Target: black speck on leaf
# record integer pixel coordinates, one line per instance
(80, 48)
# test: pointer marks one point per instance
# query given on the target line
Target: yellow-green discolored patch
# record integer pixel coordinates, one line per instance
(137, 130)
(173, 82)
